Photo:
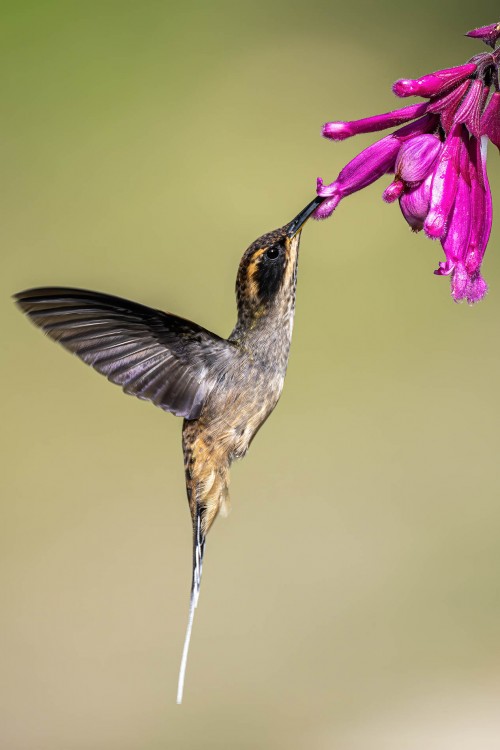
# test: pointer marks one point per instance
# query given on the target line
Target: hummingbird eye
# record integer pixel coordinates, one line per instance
(272, 253)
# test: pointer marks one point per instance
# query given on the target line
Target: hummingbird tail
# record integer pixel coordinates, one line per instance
(198, 552)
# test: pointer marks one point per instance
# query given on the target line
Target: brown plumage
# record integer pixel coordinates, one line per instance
(224, 388)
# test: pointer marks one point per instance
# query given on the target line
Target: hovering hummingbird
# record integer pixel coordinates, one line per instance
(224, 388)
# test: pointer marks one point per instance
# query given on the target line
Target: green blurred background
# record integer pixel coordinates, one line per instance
(352, 599)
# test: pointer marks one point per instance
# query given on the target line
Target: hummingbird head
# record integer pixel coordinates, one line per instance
(268, 270)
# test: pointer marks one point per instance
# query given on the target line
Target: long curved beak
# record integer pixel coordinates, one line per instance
(301, 219)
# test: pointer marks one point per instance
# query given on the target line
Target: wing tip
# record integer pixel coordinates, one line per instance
(21, 300)
(31, 296)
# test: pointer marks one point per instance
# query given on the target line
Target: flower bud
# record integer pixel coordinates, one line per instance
(339, 131)
(393, 191)
(489, 34)
(434, 83)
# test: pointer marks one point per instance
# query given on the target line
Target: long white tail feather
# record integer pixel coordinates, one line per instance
(195, 593)
(185, 650)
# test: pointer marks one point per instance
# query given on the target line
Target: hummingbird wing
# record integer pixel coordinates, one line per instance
(153, 355)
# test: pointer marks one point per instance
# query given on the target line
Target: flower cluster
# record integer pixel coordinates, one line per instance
(438, 159)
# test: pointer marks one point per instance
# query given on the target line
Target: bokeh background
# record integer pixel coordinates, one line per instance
(352, 599)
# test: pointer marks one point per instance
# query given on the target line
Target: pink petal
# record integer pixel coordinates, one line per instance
(469, 112)
(490, 121)
(445, 268)
(444, 184)
(426, 124)
(393, 191)
(326, 208)
(478, 208)
(414, 204)
(476, 289)
(326, 191)
(488, 214)
(447, 105)
(459, 283)
(417, 157)
(365, 168)
(456, 240)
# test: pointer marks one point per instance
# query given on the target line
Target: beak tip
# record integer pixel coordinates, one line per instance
(295, 226)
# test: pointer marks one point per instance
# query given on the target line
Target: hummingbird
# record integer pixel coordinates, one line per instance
(225, 389)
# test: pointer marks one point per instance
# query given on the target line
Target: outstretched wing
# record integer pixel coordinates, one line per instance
(153, 355)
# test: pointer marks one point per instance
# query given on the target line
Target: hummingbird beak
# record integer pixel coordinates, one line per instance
(296, 224)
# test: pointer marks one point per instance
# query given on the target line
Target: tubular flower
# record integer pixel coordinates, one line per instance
(438, 159)
(489, 34)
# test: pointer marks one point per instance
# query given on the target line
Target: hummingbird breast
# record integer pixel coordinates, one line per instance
(251, 386)
(245, 390)
(240, 403)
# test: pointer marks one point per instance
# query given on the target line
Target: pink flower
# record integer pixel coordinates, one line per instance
(372, 163)
(469, 226)
(365, 168)
(438, 161)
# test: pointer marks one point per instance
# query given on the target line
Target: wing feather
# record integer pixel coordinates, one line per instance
(153, 355)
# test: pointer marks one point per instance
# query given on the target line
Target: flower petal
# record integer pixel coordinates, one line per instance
(365, 168)
(414, 204)
(456, 240)
(444, 184)
(476, 289)
(445, 268)
(469, 111)
(471, 215)
(326, 208)
(393, 191)
(426, 124)
(488, 213)
(459, 282)
(475, 250)
(490, 121)
(447, 105)
(417, 157)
